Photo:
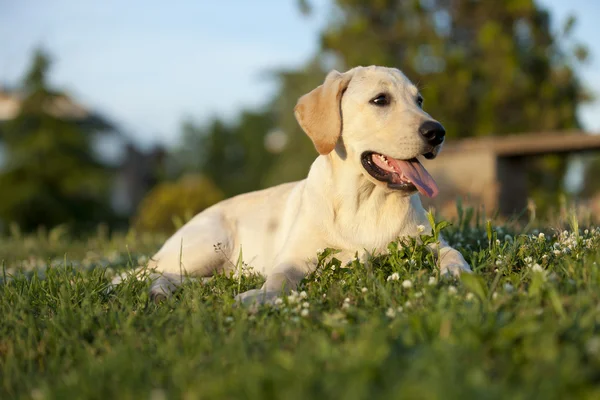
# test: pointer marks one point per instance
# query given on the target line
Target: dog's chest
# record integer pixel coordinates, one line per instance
(373, 225)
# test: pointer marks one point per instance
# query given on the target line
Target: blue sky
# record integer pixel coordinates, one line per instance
(149, 64)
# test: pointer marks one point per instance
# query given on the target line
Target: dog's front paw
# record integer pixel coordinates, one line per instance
(257, 296)
(454, 269)
(453, 264)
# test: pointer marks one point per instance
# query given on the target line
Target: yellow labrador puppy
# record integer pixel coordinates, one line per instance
(361, 193)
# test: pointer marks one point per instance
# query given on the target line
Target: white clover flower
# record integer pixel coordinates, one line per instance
(542, 236)
(229, 319)
(432, 281)
(306, 304)
(498, 262)
(142, 260)
(586, 231)
(419, 294)
(293, 297)
(346, 303)
(498, 242)
(556, 252)
(333, 267)
(407, 284)
(537, 267)
(278, 301)
(592, 346)
(390, 313)
(528, 260)
(470, 296)
(400, 309)
(304, 313)
(452, 290)
(408, 304)
(364, 290)
(494, 295)
(420, 228)
(303, 295)
(324, 295)
(394, 277)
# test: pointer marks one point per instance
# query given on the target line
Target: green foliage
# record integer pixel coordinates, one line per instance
(524, 325)
(232, 155)
(51, 174)
(170, 204)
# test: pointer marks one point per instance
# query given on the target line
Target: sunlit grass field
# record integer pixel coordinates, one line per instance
(525, 325)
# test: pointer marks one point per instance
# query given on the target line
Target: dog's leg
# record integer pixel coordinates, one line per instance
(199, 249)
(451, 262)
(164, 284)
(284, 278)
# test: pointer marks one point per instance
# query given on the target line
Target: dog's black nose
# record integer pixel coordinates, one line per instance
(433, 132)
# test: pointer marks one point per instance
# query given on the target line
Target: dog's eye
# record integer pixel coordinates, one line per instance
(420, 101)
(382, 99)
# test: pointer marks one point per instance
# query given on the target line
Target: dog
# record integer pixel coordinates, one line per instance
(362, 192)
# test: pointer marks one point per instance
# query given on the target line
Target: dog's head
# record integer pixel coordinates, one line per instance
(373, 116)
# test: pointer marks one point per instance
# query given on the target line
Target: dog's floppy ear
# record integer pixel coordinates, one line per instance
(318, 112)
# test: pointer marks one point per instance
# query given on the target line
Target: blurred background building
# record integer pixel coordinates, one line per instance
(145, 113)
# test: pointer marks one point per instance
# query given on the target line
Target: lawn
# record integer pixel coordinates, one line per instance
(525, 325)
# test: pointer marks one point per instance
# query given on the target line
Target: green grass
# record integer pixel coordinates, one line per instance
(525, 325)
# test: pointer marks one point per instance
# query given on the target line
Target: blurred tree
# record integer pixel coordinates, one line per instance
(171, 204)
(234, 156)
(293, 162)
(50, 175)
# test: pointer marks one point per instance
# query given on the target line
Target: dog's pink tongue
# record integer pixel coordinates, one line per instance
(418, 175)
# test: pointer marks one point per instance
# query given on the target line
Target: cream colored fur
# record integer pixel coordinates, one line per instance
(339, 205)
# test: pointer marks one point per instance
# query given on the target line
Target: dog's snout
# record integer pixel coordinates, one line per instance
(433, 132)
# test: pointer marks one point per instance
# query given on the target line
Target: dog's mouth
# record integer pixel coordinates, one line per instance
(404, 175)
